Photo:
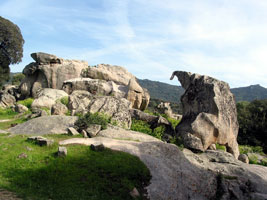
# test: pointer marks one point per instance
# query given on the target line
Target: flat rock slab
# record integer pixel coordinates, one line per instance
(184, 175)
(123, 134)
(45, 125)
(3, 132)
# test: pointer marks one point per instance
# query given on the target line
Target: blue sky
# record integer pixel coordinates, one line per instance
(224, 39)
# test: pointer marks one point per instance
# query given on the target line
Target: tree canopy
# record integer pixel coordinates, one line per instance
(252, 118)
(11, 47)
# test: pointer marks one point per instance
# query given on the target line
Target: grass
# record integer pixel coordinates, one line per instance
(10, 115)
(83, 174)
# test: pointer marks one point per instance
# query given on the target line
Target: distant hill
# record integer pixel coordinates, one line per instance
(163, 91)
(250, 93)
(172, 93)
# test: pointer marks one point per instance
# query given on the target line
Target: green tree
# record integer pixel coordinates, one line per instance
(11, 47)
(17, 78)
(252, 118)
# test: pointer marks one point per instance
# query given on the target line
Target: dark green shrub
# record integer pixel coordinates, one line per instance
(97, 118)
(141, 126)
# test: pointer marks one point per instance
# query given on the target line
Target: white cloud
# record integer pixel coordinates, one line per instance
(225, 39)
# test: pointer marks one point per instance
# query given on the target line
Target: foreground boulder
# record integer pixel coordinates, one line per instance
(6, 100)
(49, 72)
(209, 113)
(117, 108)
(184, 175)
(55, 124)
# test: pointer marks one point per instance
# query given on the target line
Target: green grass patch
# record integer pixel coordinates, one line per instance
(220, 147)
(7, 113)
(26, 102)
(83, 174)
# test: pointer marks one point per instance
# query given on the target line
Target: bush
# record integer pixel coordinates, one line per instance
(158, 132)
(26, 102)
(244, 149)
(141, 126)
(144, 127)
(97, 118)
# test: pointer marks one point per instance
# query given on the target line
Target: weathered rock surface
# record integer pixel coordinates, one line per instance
(184, 175)
(47, 97)
(72, 131)
(6, 100)
(79, 101)
(21, 108)
(95, 87)
(138, 97)
(209, 113)
(97, 146)
(243, 158)
(117, 132)
(54, 124)
(62, 152)
(93, 130)
(45, 58)
(41, 141)
(117, 108)
(107, 72)
(59, 109)
(49, 72)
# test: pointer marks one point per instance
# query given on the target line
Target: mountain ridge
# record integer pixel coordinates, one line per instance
(172, 93)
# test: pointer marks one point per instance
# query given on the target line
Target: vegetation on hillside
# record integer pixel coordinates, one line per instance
(252, 118)
(173, 93)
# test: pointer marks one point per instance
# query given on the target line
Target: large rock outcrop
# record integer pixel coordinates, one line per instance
(209, 113)
(138, 96)
(49, 71)
(95, 87)
(45, 125)
(184, 175)
(118, 109)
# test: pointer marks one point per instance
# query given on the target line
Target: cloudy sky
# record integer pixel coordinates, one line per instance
(225, 39)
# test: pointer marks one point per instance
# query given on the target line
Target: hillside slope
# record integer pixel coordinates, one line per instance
(172, 93)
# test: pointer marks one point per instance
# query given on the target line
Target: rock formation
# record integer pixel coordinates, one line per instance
(209, 113)
(48, 71)
(81, 101)
(138, 96)
(95, 86)
(106, 72)
(47, 97)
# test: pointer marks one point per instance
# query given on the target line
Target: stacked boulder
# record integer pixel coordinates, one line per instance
(126, 83)
(209, 113)
(109, 89)
(48, 71)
